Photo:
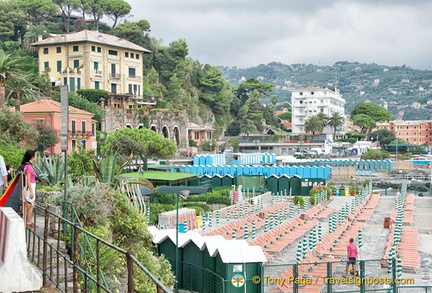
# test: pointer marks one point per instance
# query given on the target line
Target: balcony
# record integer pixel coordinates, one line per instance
(80, 133)
(114, 75)
(134, 78)
(98, 72)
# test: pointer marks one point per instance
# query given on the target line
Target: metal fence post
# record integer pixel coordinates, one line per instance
(329, 276)
(295, 283)
(129, 261)
(45, 249)
(362, 276)
(393, 260)
(75, 259)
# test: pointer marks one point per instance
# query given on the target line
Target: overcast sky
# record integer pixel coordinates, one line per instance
(247, 33)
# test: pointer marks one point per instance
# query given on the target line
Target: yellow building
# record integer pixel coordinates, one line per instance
(93, 60)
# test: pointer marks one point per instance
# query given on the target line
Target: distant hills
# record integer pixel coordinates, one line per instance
(400, 87)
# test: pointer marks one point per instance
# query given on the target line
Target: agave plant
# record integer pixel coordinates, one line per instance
(106, 168)
(50, 170)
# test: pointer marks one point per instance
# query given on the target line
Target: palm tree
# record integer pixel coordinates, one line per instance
(314, 124)
(323, 118)
(32, 34)
(248, 127)
(20, 89)
(8, 70)
(336, 120)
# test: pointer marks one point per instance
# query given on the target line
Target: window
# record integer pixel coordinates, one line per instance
(132, 72)
(99, 49)
(73, 143)
(75, 48)
(83, 126)
(95, 65)
(58, 49)
(130, 89)
(45, 50)
(113, 70)
(65, 80)
(132, 55)
(46, 64)
(59, 66)
(126, 54)
(137, 56)
(135, 89)
(93, 129)
(93, 48)
(196, 135)
(209, 135)
(73, 127)
(40, 121)
(112, 52)
(78, 83)
(76, 63)
(72, 84)
(113, 88)
(301, 94)
(96, 85)
(83, 143)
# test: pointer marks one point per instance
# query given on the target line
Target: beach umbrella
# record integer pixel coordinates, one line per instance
(203, 222)
(210, 219)
(148, 215)
(217, 217)
(233, 234)
(299, 253)
(253, 230)
(246, 232)
(399, 267)
(390, 261)
(185, 225)
(319, 232)
(228, 214)
(266, 225)
(235, 212)
(306, 204)
(360, 238)
(305, 246)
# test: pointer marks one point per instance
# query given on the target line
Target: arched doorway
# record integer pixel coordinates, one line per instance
(153, 128)
(176, 135)
(165, 132)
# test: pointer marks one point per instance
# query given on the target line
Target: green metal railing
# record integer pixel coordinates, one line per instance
(197, 279)
(78, 268)
(330, 276)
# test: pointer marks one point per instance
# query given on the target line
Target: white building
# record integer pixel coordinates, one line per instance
(310, 101)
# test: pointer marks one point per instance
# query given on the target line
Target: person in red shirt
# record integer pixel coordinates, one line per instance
(351, 256)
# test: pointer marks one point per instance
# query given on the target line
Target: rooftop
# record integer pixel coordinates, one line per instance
(92, 37)
(49, 106)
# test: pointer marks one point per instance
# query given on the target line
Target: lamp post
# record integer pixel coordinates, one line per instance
(183, 194)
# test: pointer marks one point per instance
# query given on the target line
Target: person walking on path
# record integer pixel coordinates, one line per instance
(3, 176)
(352, 253)
(29, 185)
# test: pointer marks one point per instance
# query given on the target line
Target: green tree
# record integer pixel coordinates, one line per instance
(117, 9)
(373, 154)
(19, 90)
(47, 136)
(248, 127)
(37, 10)
(314, 124)
(365, 122)
(80, 162)
(140, 142)
(96, 9)
(9, 69)
(376, 112)
(13, 129)
(285, 116)
(32, 35)
(12, 20)
(67, 7)
(245, 89)
(383, 136)
(335, 121)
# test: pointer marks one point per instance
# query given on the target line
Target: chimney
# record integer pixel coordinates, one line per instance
(39, 38)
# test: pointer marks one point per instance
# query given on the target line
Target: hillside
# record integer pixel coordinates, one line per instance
(398, 86)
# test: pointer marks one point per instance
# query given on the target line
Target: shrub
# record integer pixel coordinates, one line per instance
(156, 209)
(298, 200)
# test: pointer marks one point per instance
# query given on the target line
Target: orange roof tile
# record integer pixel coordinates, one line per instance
(49, 106)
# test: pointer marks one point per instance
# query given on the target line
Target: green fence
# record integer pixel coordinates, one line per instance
(330, 276)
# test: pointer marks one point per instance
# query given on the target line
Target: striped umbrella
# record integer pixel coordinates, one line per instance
(253, 230)
(228, 214)
(399, 267)
(312, 240)
(210, 219)
(217, 217)
(233, 234)
(235, 212)
(148, 215)
(266, 225)
(246, 232)
(305, 246)
(306, 204)
(319, 232)
(185, 225)
(203, 222)
(390, 262)
(299, 253)
(360, 238)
